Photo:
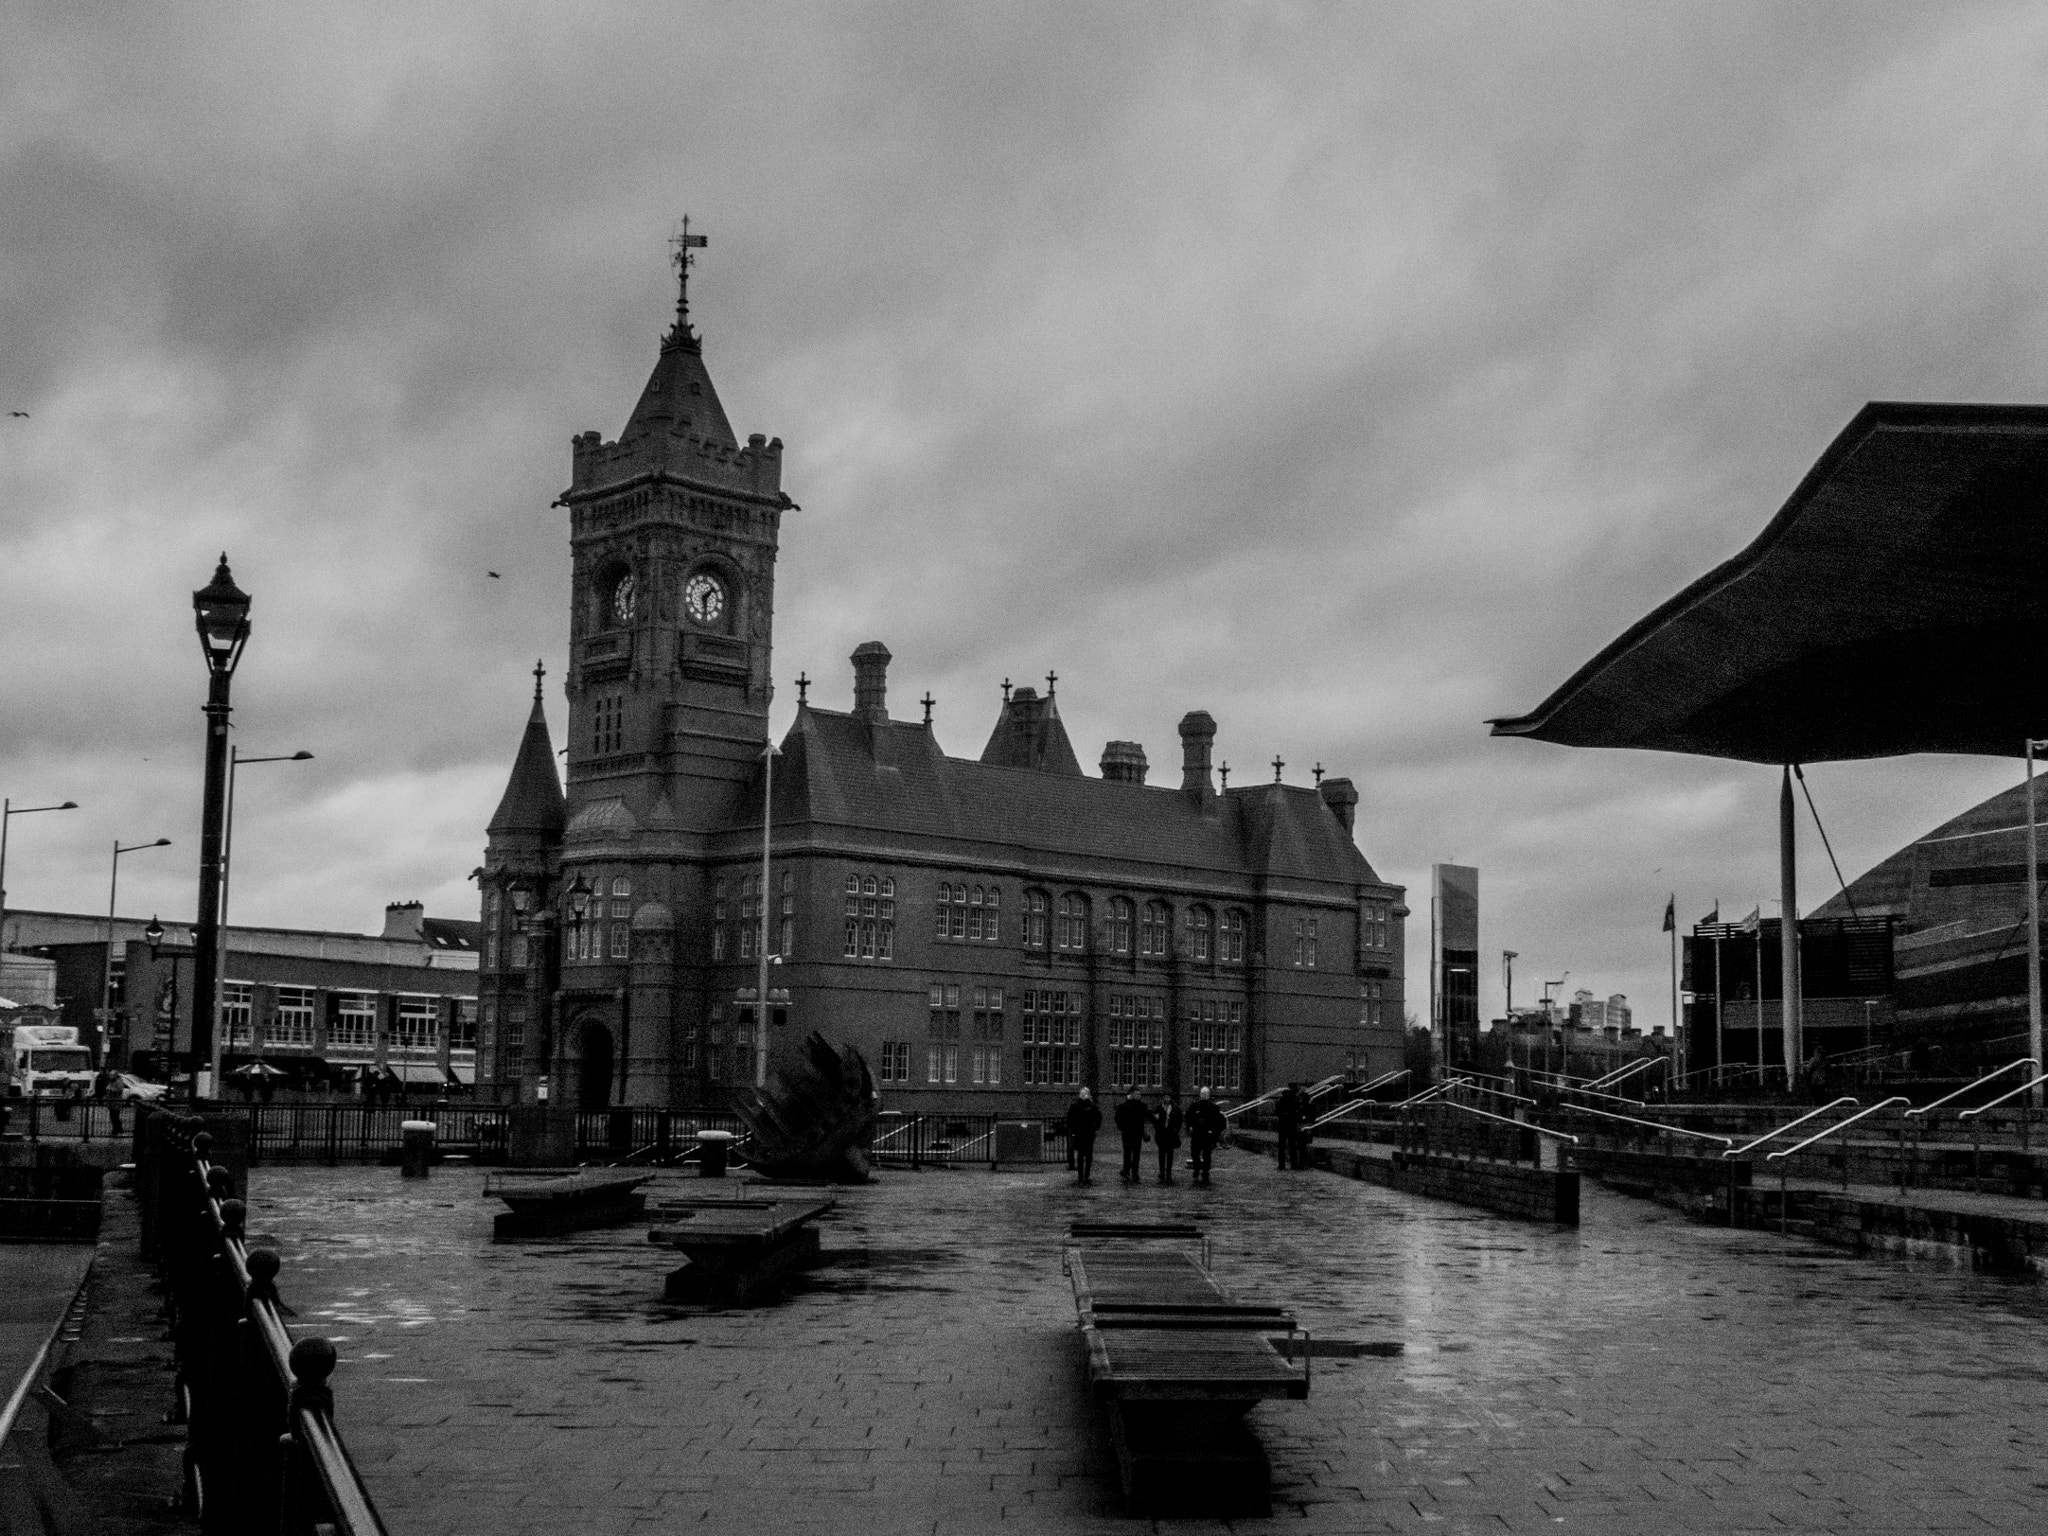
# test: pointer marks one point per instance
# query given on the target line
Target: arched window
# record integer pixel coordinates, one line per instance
(786, 929)
(620, 939)
(1119, 926)
(1034, 920)
(991, 919)
(1070, 927)
(1156, 932)
(974, 900)
(1230, 937)
(1201, 933)
(621, 886)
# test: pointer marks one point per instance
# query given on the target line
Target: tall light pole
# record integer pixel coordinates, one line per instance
(106, 1019)
(221, 612)
(227, 865)
(8, 811)
(2033, 927)
(768, 755)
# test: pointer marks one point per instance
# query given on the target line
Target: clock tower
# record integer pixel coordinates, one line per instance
(673, 539)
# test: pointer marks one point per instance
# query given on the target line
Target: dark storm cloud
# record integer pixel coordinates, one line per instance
(1353, 373)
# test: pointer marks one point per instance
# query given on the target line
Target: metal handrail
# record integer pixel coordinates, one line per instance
(1897, 1098)
(1640, 1064)
(1520, 1125)
(1928, 1109)
(1619, 1098)
(30, 1376)
(1358, 1099)
(1498, 1093)
(1273, 1093)
(1655, 1125)
(1970, 1114)
(1846, 1098)
(1435, 1090)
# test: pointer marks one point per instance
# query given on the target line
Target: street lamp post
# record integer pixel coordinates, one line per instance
(227, 865)
(221, 613)
(8, 811)
(106, 1019)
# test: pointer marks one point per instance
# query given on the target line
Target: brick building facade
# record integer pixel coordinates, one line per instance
(990, 932)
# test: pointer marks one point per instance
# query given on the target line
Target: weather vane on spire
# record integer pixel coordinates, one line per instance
(683, 242)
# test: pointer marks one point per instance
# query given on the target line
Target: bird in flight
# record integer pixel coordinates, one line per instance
(494, 575)
(22, 414)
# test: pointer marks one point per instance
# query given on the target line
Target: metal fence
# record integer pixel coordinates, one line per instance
(916, 1141)
(261, 1451)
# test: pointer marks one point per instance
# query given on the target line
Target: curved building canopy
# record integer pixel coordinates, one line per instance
(1897, 603)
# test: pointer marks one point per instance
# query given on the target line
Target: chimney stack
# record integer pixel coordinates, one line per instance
(871, 682)
(403, 920)
(1342, 800)
(1197, 736)
(1123, 762)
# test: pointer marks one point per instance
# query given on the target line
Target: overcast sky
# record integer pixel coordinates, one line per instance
(1351, 372)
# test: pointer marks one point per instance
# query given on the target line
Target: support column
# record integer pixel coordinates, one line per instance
(1788, 929)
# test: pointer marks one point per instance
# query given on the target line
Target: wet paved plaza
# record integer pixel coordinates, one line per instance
(1638, 1374)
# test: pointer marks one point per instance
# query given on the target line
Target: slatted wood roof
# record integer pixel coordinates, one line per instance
(1897, 603)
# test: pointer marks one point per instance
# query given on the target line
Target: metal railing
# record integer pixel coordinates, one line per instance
(1839, 1125)
(1358, 1097)
(261, 1451)
(943, 1140)
(2032, 1082)
(1654, 1125)
(1273, 1093)
(1949, 1098)
(1789, 1125)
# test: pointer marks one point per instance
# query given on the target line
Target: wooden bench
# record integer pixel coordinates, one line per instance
(574, 1202)
(1176, 1364)
(736, 1251)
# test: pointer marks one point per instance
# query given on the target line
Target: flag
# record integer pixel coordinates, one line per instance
(1753, 921)
(1671, 915)
(690, 242)
(1715, 915)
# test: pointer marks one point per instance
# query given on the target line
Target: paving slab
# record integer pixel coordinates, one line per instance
(1637, 1373)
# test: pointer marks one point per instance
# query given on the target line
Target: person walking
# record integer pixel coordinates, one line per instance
(1287, 1121)
(1206, 1126)
(1132, 1118)
(1084, 1119)
(108, 1091)
(1167, 1122)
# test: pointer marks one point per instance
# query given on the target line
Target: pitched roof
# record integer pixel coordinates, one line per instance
(1029, 734)
(874, 779)
(451, 933)
(533, 799)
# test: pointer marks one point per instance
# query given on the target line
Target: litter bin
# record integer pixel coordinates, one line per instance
(714, 1150)
(416, 1143)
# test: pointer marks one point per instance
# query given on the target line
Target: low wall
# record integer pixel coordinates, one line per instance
(1508, 1189)
(1965, 1239)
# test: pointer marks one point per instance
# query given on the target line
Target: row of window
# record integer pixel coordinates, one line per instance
(351, 1020)
(743, 936)
(973, 913)
(1372, 1002)
(870, 917)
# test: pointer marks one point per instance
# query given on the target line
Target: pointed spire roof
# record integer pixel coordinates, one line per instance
(533, 800)
(679, 390)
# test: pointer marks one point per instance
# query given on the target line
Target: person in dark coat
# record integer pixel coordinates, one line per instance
(1084, 1119)
(1287, 1121)
(1132, 1119)
(1206, 1126)
(1167, 1122)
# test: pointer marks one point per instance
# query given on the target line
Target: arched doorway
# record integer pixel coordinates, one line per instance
(594, 1067)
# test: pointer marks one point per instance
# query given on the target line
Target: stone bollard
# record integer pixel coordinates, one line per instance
(416, 1139)
(714, 1148)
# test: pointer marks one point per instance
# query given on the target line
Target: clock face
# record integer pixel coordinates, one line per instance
(622, 599)
(704, 598)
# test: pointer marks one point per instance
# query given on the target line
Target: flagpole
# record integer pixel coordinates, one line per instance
(1676, 1053)
(2033, 931)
